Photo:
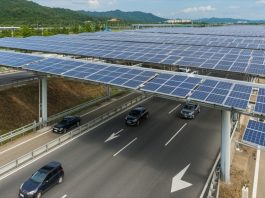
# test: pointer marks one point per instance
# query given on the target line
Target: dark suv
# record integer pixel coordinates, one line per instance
(67, 123)
(136, 115)
(42, 180)
(189, 111)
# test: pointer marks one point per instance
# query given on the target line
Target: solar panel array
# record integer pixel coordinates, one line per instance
(17, 59)
(237, 60)
(255, 133)
(244, 31)
(219, 92)
(260, 104)
(180, 39)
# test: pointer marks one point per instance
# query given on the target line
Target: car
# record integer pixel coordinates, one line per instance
(67, 123)
(189, 111)
(42, 180)
(136, 115)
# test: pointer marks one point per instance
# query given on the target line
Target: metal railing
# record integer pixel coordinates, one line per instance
(33, 126)
(77, 131)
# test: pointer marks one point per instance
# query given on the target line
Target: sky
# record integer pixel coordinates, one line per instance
(185, 9)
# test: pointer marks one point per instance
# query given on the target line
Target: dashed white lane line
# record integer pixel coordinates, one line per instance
(175, 134)
(256, 176)
(174, 109)
(125, 147)
(64, 196)
(11, 148)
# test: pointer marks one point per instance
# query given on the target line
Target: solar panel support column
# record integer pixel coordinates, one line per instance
(43, 115)
(225, 145)
(108, 91)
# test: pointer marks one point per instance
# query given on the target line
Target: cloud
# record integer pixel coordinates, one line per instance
(260, 1)
(208, 8)
(93, 3)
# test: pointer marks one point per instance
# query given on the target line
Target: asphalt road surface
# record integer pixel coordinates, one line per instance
(13, 77)
(140, 162)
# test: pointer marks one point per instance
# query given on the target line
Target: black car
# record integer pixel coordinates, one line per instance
(67, 123)
(136, 115)
(42, 180)
(189, 111)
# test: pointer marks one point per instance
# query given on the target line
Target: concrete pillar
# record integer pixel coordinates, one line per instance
(109, 91)
(225, 146)
(43, 115)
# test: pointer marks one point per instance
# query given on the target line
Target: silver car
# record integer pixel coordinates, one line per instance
(189, 111)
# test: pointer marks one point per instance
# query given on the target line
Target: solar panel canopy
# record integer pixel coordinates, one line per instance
(225, 94)
(233, 54)
(255, 134)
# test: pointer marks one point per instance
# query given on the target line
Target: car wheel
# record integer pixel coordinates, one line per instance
(199, 110)
(138, 123)
(78, 124)
(65, 130)
(60, 180)
(38, 195)
(193, 116)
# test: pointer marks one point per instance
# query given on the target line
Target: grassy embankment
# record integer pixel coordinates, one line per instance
(19, 106)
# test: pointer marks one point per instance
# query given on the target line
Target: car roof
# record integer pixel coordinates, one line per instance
(139, 108)
(50, 166)
(69, 117)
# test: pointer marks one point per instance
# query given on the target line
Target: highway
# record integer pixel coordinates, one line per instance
(140, 162)
(13, 77)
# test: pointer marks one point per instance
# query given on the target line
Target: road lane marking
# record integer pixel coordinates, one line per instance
(256, 176)
(175, 134)
(114, 136)
(64, 196)
(11, 148)
(174, 109)
(178, 183)
(125, 147)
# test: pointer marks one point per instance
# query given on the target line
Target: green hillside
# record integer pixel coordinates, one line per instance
(23, 12)
(137, 17)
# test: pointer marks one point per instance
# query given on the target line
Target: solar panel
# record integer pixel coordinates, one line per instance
(255, 133)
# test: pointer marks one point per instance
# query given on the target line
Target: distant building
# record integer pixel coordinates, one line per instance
(114, 20)
(178, 21)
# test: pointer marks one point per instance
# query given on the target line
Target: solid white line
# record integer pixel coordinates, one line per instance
(11, 148)
(67, 142)
(106, 105)
(175, 134)
(125, 147)
(256, 176)
(174, 109)
(64, 196)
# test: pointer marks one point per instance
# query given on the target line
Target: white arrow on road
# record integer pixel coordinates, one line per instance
(177, 183)
(114, 136)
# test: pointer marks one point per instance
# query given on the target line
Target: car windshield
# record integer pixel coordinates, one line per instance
(39, 176)
(189, 107)
(134, 113)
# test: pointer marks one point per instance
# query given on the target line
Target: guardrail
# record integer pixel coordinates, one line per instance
(33, 126)
(80, 130)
